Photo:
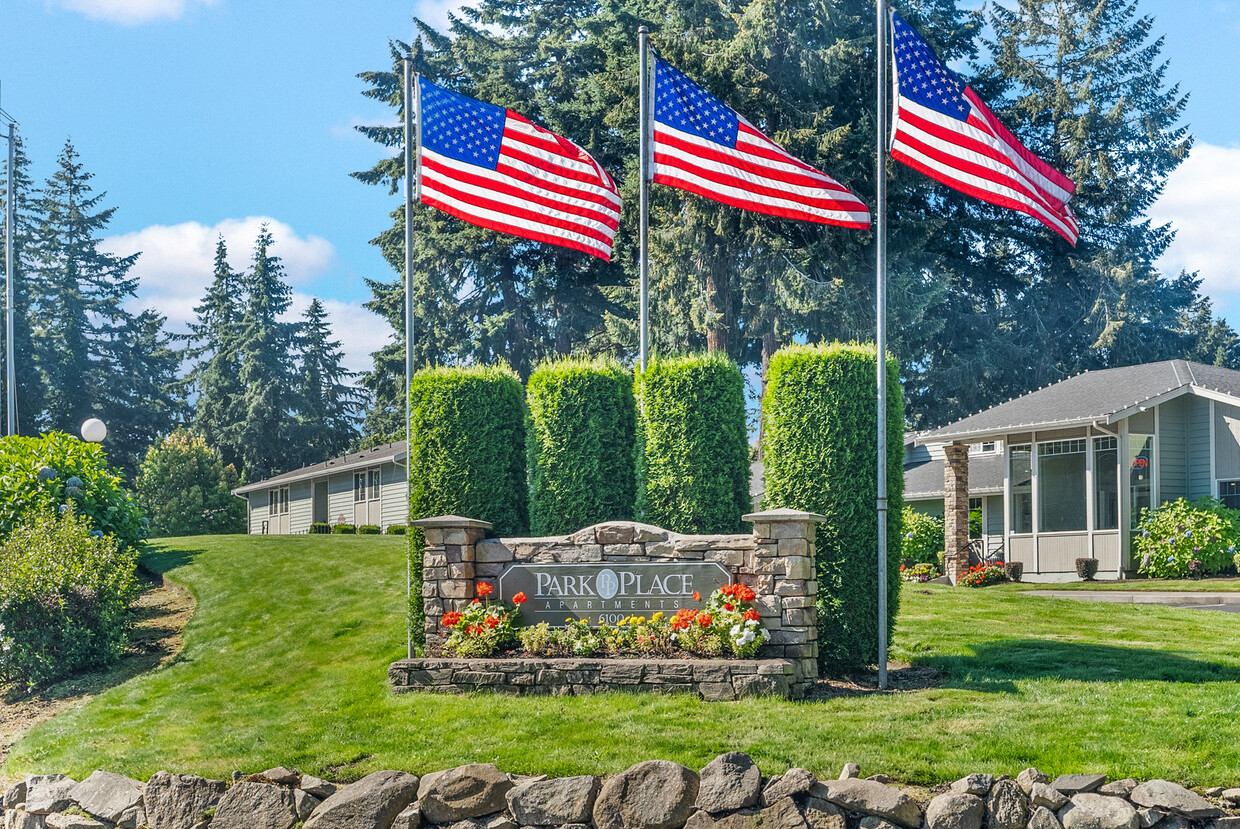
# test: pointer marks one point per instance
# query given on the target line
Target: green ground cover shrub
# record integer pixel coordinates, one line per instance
(467, 457)
(922, 542)
(581, 439)
(64, 598)
(397, 529)
(344, 529)
(1172, 536)
(820, 454)
(369, 529)
(693, 456)
(184, 489)
(320, 528)
(42, 474)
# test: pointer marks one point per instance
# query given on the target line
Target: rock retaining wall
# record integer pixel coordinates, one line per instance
(729, 793)
(711, 679)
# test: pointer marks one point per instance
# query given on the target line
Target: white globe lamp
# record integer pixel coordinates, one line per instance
(94, 430)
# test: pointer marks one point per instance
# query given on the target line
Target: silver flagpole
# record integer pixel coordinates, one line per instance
(10, 308)
(880, 236)
(643, 167)
(410, 176)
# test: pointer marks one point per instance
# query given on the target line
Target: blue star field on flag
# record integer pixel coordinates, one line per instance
(461, 128)
(923, 77)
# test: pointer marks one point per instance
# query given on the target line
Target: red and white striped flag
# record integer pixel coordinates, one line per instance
(943, 129)
(702, 145)
(492, 168)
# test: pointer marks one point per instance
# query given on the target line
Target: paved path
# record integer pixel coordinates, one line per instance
(1226, 602)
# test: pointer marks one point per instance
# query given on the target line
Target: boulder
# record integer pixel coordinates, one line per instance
(177, 801)
(1172, 797)
(1043, 818)
(1028, 777)
(282, 776)
(870, 798)
(1230, 795)
(304, 804)
(410, 818)
(16, 795)
(794, 781)
(63, 821)
(111, 797)
(462, 792)
(656, 794)
(955, 810)
(374, 801)
(974, 784)
(729, 782)
(498, 821)
(1048, 796)
(820, 814)
(1006, 806)
(47, 793)
(1098, 811)
(783, 814)
(1119, 788)
(1149, 817)
(19, 819)
(553, 802)
(319, 788)
(872, 822)
(1071, 784)
(850, 771)
(249, 805)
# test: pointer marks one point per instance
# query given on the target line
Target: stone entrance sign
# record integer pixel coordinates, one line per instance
(606, 593)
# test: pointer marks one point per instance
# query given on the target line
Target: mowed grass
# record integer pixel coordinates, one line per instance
(286, 659)
(1212, 585)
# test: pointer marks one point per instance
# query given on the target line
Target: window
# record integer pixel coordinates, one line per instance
(359, 487)
(1020, 476)
(975, 518)
(1140, 473)
(1229, 494)
(374, 484)
(988, 446)
(1061, 486)
(1106, 484)
(277, 501)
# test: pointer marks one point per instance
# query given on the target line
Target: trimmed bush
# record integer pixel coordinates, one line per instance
(64, 598)
(467, 457)
(320, 528)
(693, 458)
(922, 542)
(820, 453)
(1168, 539)
(1087, 568)
(580, 437)
(397, 529)
(344, 529)
(51, 471)
(185, 489)
(1014, 570)
(368, 529)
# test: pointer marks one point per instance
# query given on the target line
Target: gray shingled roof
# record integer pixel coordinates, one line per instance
(925, 479)
(378, 454)
(1090, 397)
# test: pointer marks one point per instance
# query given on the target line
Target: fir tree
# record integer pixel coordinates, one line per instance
(328, 405)
(140, 402)
(30, 388)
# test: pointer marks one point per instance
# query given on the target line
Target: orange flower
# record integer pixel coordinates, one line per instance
(745, 593)
(474, 630)
(477, 601)
(451, 618)
(492, 622)
(704, 620)
(750, 615)
(519, 598)
(729, 606)
(484, 589)
(697, 596)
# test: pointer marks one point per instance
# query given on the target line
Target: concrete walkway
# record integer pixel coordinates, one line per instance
(1227, 602)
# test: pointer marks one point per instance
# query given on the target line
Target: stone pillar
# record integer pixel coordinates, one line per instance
(784, 550)
(448, 568)
(956, 511)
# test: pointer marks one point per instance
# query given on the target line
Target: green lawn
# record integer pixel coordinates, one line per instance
(286, 659)
(1143, 585)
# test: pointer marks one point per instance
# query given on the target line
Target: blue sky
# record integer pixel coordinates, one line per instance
(207, 116)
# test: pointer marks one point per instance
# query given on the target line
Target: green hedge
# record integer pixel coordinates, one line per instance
(467, 457)
(820, 454)
(693, 461)
(344, 529)
(580, 437)
(55, 471)
(369, 529)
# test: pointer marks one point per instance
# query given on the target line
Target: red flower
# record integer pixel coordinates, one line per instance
(729, 606)
(451, 618)
(697, 596)
(745, 593)
(750, 615)
(477, 601)
(704, 620)
(484, 589)
(492, 622)
(474, 630)
(519, 598)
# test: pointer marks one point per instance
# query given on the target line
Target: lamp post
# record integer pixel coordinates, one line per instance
(94, 430)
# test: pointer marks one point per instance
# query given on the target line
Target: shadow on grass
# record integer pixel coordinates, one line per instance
(996, 666)
(159, 561)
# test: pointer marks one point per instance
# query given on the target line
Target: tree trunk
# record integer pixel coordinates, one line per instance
(716, 331)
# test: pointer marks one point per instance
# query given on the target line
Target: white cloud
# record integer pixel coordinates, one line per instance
(1200, 202)
(130, 12)
(359, 332)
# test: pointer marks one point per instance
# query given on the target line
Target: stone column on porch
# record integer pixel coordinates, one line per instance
(448, 568)
(956, 511)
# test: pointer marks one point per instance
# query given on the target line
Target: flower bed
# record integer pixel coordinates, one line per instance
(983, 575)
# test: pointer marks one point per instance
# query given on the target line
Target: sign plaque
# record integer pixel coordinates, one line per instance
(606, 592)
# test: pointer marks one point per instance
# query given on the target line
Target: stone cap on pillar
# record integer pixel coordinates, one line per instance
(454, 522)
(781, 516)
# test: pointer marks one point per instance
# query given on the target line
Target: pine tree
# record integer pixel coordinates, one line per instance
(26, 294)
(262, 434)
(327, 406)
(215, 344)
(141, 403)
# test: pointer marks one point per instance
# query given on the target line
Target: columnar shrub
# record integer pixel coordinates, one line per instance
(922, 542)
(185, 489)
(467, 457)
(581, 436)
(820, 453)
(693, 460)
(43, 474)
(1173, 535)
(64, 597)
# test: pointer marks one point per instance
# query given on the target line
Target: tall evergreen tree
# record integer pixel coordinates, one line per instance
(26, 293)
(327, 406)
(215, 345)
(265, 344)
(140, 402)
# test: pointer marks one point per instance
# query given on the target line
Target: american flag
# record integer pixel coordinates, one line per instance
(943, 129)
(490, 167)
(702, 145)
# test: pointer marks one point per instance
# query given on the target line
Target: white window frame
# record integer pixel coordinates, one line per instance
(359, 487)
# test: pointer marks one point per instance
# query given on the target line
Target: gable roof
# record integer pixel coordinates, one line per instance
(1104, 397)
(387, 453)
